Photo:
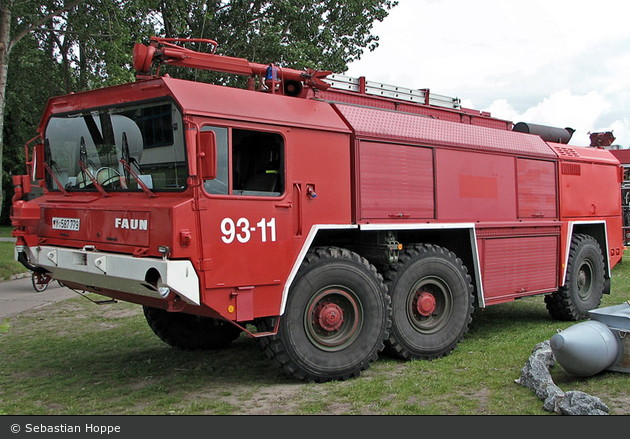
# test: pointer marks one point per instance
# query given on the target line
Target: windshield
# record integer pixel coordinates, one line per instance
(94, 146)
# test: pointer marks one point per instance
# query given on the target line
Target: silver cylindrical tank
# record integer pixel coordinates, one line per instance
(586, 348)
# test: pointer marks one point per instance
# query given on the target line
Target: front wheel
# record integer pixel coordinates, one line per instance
(336, 318)
(432, 302)
(190, 332)
(584, 285)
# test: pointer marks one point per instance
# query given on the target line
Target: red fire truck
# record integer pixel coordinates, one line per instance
(329, 216)
(623, 155)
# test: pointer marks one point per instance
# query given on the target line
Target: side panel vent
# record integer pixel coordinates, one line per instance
(565, 151)
(571, 169)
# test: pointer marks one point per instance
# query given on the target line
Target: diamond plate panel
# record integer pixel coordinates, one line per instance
(369, 122)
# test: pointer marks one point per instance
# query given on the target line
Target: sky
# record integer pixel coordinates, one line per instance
(553, 62)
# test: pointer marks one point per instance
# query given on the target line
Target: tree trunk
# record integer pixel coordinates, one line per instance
(5, 48)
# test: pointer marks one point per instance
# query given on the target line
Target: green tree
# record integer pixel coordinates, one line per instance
(57, 47)
(63, 46)
(324, 35)
(93, 42)
(17, 20)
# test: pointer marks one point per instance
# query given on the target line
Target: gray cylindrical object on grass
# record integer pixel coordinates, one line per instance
(586, 348)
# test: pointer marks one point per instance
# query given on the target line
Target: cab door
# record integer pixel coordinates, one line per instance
(248, 223)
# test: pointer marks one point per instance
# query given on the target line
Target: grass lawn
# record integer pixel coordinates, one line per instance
(78, 358)
(8, 265)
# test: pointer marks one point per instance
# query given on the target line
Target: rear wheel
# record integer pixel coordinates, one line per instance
(584, 284)
(190, 332)
(336, 318)
(432, 302)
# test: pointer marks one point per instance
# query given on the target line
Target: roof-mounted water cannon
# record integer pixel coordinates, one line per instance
(143, 59)
(276, 79)
(603, 139)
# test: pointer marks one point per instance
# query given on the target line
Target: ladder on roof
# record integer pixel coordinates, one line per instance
(422, 96)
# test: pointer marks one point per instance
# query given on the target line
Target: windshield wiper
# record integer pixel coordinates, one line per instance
(144, 187)
(95, 182)
(52, 174)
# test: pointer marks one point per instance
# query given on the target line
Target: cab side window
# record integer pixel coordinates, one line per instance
(257, 163)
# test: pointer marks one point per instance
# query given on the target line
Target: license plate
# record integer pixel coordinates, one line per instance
(66, 224)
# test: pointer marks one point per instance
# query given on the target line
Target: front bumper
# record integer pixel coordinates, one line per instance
(128, 274)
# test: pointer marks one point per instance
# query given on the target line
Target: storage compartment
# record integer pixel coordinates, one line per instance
(395, 181)
(519, 266)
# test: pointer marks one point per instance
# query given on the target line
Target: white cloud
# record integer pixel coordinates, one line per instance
(560, 109)
(560, 62)
(621, 130)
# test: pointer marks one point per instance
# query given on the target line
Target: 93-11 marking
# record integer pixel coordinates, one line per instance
(242, 230)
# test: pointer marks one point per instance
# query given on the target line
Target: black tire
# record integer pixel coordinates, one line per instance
(190, 332)
(336, 318)
(584, 284)
(432, 302)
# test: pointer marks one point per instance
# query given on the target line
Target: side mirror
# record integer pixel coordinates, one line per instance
(37, 165)
(207, 143)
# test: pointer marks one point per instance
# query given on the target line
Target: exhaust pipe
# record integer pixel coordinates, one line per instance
(22, 258)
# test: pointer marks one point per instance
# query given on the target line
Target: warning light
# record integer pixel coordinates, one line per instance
(231, 309)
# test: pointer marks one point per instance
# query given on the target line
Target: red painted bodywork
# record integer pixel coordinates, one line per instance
(623, 155)
(372, 162)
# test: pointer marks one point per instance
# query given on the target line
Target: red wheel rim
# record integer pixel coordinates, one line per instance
(333, 319)
(425, 303)
(429, 304)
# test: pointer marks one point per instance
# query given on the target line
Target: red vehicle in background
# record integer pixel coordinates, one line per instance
(334, 215)
(606, 139)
